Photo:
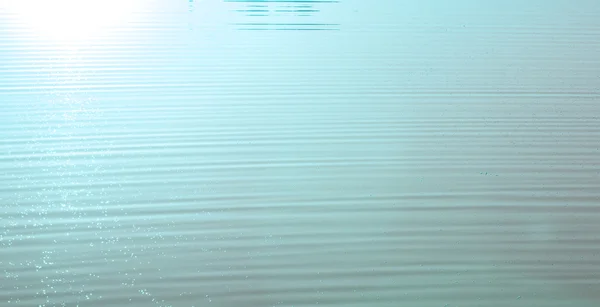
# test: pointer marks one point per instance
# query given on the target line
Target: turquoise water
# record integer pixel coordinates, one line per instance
(299, 153)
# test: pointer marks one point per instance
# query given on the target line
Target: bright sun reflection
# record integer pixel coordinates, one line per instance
(73, 20)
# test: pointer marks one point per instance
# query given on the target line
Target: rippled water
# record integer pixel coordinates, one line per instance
(300, 153)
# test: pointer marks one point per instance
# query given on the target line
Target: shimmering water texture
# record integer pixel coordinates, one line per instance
(416, 153)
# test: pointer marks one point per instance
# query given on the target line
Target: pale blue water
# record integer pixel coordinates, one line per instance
(299, 153)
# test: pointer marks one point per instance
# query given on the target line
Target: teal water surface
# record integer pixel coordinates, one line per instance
(299, 153)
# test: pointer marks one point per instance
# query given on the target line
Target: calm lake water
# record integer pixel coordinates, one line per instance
(299, 153)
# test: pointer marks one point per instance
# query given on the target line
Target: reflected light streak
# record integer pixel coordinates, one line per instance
(73, 20)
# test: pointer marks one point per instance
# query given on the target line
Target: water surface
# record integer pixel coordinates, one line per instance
(300, 153)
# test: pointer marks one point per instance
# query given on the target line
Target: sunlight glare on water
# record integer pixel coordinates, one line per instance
(73, 20)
